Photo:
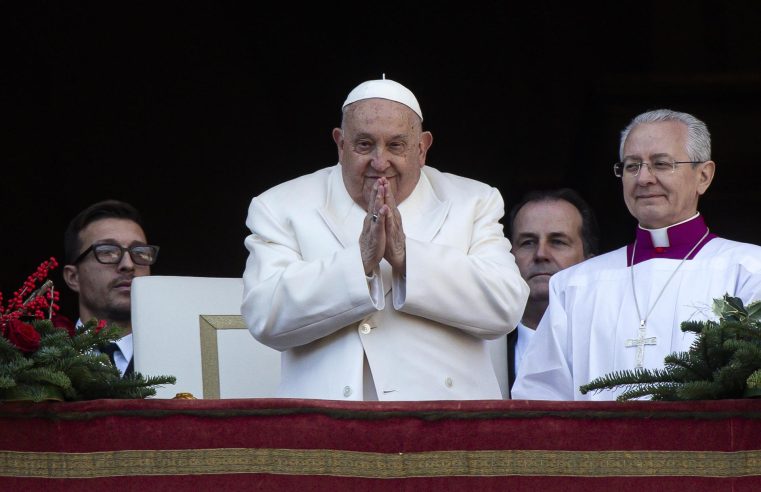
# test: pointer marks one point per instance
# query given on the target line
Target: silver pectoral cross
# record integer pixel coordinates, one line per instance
(640, 343)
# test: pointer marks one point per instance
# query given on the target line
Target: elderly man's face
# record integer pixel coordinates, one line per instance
(546, 238)
(380, 138)
(664, 200)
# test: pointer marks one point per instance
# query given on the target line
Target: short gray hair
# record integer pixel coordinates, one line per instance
(698, 138)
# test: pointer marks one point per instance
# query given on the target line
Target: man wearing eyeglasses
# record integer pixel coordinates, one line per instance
(623, 310)
(105, 248)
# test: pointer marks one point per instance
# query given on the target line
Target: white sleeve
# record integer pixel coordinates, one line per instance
(545, 370)
(479, 291)
(288, 301)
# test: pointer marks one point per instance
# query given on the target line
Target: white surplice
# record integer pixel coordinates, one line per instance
(592, 315)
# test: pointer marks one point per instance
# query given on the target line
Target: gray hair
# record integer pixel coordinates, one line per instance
(698, 138)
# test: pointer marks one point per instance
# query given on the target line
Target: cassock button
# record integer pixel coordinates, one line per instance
(365, 328)
(448, 382)
(347, 391)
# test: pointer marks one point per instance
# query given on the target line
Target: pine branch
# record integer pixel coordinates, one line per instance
(44, 375)
(754, 380)
(683, 366)
(621, 378)
(660, 391)
(693, 326)
(699, 390)
(68, 368)
(724, 361)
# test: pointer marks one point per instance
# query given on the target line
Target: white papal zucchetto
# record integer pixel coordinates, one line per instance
(384, 89)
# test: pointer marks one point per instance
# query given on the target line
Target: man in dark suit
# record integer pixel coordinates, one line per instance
(105, 248)
(549, 231)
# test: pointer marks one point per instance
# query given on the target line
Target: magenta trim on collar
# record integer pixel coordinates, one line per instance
(682, 238)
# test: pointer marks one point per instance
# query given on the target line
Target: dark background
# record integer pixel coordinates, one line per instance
(188, 111)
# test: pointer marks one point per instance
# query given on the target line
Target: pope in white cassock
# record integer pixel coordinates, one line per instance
(381, 278)
(624, 309)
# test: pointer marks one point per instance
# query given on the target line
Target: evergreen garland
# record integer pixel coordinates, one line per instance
(723, 362)
(40, 360)
(67, 368)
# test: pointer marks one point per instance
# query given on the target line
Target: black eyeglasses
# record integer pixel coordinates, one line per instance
(111, 254)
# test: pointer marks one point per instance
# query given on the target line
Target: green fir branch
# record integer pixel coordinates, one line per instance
(658, 391)
(699, 390)
(684, 366)
(754, 380)
(69, 368)
(724, 361)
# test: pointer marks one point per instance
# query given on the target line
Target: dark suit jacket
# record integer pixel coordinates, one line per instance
(512, 339)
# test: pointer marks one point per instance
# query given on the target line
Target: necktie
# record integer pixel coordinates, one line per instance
(109, 350)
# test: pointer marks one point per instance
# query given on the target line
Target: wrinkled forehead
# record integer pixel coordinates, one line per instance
(377, 112)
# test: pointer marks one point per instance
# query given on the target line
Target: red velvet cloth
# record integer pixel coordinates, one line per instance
(385, 435)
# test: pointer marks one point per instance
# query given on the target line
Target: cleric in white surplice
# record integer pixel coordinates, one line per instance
(624, 309)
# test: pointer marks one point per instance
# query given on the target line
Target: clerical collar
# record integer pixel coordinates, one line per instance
(672, 242)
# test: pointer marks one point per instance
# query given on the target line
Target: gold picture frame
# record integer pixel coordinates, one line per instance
(210, 326)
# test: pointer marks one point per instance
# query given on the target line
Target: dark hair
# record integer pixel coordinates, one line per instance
(590, 234)
(107, 209)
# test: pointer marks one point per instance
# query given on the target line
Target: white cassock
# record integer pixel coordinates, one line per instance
(347, 337)
(592, 317)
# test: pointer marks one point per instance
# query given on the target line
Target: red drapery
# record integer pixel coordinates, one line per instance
(288, 444)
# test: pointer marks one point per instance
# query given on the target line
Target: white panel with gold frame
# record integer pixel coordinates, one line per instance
(191, 328)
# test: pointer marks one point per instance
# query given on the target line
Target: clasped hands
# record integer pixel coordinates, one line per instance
(382, 233)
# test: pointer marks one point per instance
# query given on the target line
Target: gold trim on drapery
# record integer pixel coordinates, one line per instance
(302, 462)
